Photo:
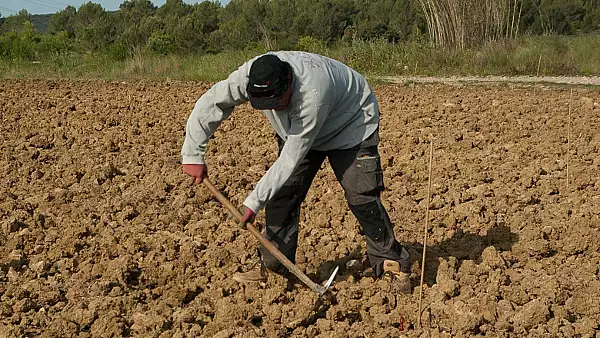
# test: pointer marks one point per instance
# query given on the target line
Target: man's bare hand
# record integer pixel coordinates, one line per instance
(197, 171)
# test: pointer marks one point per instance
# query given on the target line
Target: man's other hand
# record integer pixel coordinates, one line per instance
(197, 171)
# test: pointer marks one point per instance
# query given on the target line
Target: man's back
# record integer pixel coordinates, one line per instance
(351, 109)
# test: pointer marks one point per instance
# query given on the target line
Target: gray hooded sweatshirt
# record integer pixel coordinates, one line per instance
(332, 107)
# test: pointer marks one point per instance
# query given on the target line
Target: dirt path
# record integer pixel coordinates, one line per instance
(487, 80)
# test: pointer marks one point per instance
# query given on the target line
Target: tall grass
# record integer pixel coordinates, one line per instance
(210, 67)
(560, 55)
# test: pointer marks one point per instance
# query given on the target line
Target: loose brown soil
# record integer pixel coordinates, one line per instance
(103, 236)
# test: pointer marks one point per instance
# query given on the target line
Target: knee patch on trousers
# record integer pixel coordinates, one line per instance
(372, 219)
(270, 262)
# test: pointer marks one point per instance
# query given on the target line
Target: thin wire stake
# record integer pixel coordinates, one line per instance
(569, 138)
(426, 229)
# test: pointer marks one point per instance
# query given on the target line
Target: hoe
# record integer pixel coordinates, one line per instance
(319, 289)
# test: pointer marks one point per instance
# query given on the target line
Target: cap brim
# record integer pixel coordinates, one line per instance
(265, 102)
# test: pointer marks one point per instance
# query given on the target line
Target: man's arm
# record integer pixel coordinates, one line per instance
(210, 110)
(305, 126)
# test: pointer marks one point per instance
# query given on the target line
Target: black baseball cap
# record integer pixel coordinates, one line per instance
(267, 81)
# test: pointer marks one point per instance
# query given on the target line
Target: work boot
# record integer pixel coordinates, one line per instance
(401, 280)
(258, 273)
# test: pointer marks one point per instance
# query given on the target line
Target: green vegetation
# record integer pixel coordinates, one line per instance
(205, 41)
(560, 55)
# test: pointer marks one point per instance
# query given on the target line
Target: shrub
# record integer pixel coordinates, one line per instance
(118, 51)
(54, 44)
(310, 44)
(161, 43)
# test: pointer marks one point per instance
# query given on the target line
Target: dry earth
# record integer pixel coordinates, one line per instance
(103, 236)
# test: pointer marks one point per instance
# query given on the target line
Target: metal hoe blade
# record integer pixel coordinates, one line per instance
(324, 288)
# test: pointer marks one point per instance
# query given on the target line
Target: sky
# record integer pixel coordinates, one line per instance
(9, 7)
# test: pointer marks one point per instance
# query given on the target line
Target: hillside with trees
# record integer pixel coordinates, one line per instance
(176, 28)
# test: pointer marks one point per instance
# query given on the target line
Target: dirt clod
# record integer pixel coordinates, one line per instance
(533, 313)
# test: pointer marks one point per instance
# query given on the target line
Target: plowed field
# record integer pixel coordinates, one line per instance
(103, 236)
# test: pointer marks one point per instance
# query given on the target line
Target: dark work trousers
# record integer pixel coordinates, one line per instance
(358, 169)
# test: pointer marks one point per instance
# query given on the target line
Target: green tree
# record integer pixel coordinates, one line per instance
(554, 16)
(562, 16)
(136, 10)
(406, 19)
(16, 23)
(174, 9)
(94, 28)
(173, 13)
(23, 43)
(242, 24)
(530, 22)
(207, 15)
(326, 20)
(139, 22)
(279, 22)
(373, 19)
(591, 21)
(63, 21)
(192, 31)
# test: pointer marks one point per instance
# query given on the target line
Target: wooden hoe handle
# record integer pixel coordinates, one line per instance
(263, 240)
